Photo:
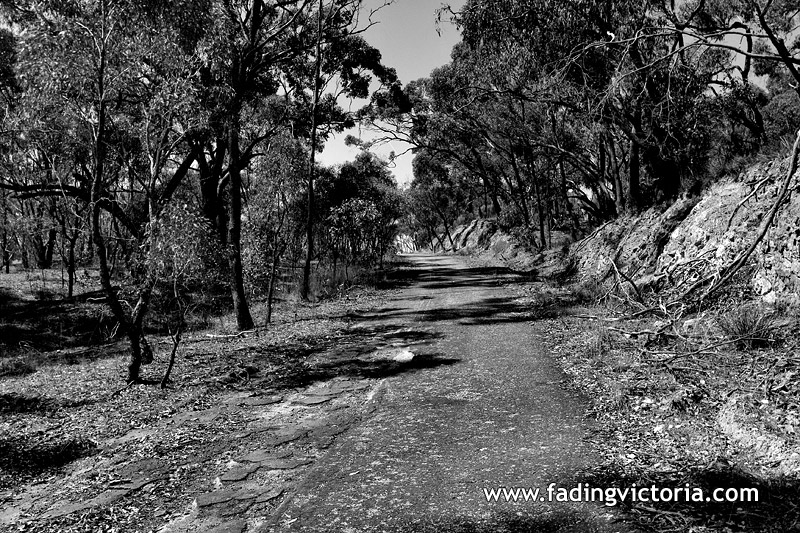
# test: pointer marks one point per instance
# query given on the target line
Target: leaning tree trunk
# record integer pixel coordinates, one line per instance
(135, 361)
(71, 264)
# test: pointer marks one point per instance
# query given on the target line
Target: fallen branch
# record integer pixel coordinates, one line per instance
(707, 349)
(639, 333)
(744, 201)
(120, 391)
(231, 336)
(620, 274)
(658, 511)
(637, 314)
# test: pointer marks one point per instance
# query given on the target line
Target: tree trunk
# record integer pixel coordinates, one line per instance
(634, 187)
(244, 320)
(71, 264)
(306, 288)
(573, 217)
(522, 196)
(49, 248)
(6, 254)
(540, 211)
(135, 361)
(271, 292)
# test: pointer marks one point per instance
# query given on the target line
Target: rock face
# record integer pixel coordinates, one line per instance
(680, 243)
(696, 237)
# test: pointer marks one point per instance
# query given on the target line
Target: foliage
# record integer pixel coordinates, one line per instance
(135, 131)
(567, 114)
(360, 207)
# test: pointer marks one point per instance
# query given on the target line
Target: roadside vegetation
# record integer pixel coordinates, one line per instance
(707, 401)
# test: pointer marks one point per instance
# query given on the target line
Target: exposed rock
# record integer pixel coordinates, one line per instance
(238, 473)
(313, 400)
(264, 455)
(215, 498)
(286, 464)
(234, 526)
(782, 455)
(696, 237)
(268, 495)
(255, 401)
(672, 244)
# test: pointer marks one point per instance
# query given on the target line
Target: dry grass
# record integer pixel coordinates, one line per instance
(749, 326)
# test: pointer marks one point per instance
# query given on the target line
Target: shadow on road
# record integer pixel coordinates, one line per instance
(354, 354)
(434, 276)
(517, 521)
(491, 310)
(304, 374)
(776, 509)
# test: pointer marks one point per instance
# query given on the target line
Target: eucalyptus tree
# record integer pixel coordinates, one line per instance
(343, 66)
(108, 85)
(261, 73)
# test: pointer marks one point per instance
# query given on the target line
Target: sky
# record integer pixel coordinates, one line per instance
(406, 34)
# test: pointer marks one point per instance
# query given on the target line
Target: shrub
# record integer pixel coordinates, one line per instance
(587, 292)
(16, 366)
(600, 343)
(748, 325)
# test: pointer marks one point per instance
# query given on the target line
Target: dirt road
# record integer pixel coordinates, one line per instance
(490, 410)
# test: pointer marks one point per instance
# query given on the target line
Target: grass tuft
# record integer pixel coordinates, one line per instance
(750, 326)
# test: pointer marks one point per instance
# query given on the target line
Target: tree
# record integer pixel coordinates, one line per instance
(340, 55)
(116, 81)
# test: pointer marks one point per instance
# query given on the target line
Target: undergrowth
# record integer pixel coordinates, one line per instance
(709, 400)
(748, 326)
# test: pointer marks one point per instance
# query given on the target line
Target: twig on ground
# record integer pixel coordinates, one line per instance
(230, 336)
(637, 314)
(634, 334)
(705, 349)
(120, 391)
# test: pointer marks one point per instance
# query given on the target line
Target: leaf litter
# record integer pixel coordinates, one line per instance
(80, 453)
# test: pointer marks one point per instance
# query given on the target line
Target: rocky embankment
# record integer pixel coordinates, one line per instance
(677, 244)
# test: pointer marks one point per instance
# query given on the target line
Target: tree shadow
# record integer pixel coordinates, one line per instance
(491, 310)
(354, 354)
(18, 403)
(562, 520)
(51, 325)
(436, 276)
(302, 374)
(23, 457)
(776, 509)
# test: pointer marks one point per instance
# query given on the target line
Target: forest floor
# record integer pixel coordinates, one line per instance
(392, 410)
(81, 452)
